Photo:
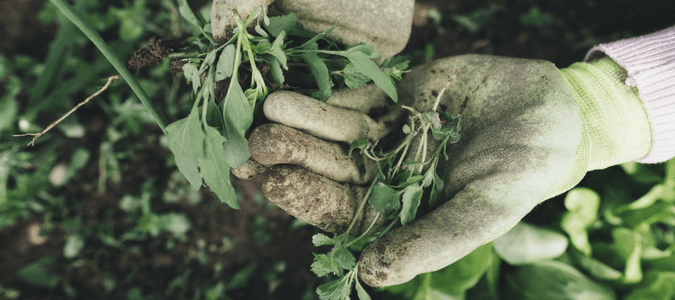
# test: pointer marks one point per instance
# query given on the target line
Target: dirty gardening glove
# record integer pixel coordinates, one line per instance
(384, 23)
(530, 132)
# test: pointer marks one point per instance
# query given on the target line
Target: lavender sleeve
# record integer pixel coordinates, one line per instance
(650, 62)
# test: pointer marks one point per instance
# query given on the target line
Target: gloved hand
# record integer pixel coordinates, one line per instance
(384, 23)
(530, 132)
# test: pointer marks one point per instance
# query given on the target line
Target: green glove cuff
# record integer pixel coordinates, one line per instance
(616, 128)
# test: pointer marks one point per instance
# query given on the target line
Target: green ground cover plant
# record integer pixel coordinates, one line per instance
(611, 238)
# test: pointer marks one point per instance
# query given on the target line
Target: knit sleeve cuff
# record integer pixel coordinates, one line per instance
(650, 62)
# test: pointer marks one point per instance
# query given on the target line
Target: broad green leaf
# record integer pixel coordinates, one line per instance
(658, 285)
(286, 23)
(365, 65)
(582, 205)
(214, 117)
(185, 141)
(358, 144)
(557, 280)
(525, 244)
(354, 78)
(214, 167)
(320, 73)
(226, 62)
(324, 265)
(36, 274)
(237, 112)
(236, 149)
(463, 274)
(344, 258)
(384, 199)
(412, 196)
(321, 239)
(335, 290)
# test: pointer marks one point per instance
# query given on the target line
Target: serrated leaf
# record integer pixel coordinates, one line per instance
(320, 73)
(384, 199)
(214, 167)
(368, 67)
(321, 239)
(361, 292)
(412, 196)
(226, 62)
(354, 78)
(285, 23)
(185, 141)
(344, 258)
(324, 265)
(335, 290)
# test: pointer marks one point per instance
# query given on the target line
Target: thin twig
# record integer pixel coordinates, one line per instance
(37, 135)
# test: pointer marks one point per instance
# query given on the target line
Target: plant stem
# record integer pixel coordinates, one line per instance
(360, 210)
(95, 38)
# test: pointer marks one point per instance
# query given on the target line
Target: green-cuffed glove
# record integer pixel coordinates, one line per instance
(531, 132)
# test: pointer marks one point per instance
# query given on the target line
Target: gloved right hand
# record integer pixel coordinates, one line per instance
(531, 132)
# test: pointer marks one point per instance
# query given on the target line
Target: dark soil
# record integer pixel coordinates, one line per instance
(578, 24)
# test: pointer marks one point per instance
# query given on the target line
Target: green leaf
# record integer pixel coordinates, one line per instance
(185, 141)
(286, 23)
(208, 61)
(557, 280)
(36, 274)
(367, 49)
(187, 13)
(237, 111)
(525, 244)
(354, 78)
(412, 196)
(226, 62)
(277, 52)
(312, 41)
(320, 73)
(597, 268)
(582, 205)
(214, 167)
(464, 273)
(384, 199)
(344, 258)
(358, 144)
(192, 75)
(324, 265)
(361, 292)
(321, 239)
(214, 117)
(368, 67)
(8, 109)
(335, 290)
(275, 69)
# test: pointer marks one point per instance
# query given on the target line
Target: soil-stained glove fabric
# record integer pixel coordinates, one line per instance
(384, 23)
